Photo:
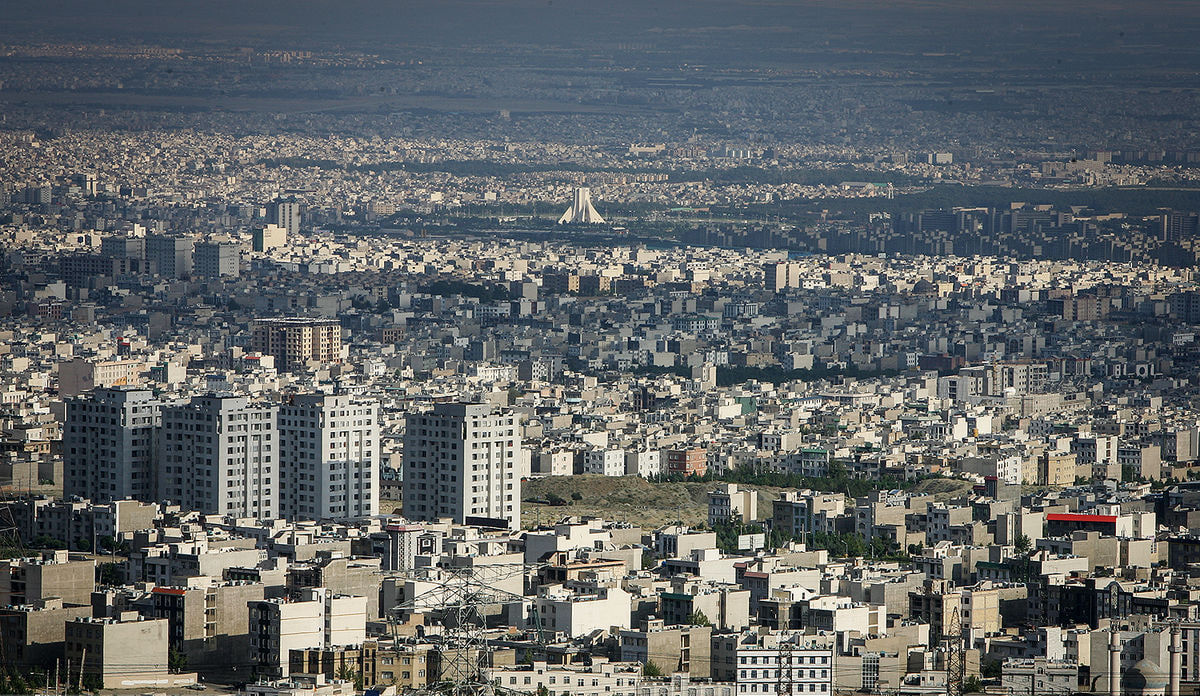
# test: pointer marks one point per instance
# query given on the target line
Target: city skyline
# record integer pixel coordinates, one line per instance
(547, 348)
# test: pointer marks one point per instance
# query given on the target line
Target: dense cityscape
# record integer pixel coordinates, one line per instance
(546, 349)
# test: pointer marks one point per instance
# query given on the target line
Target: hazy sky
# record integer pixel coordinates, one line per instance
(381, 23)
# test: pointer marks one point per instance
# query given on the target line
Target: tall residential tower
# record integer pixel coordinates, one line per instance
(461, 462)
(328, 457)
(109, 441)
(220, 455)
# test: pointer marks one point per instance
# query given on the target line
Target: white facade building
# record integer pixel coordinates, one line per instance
(220, 455)
(762, 661)
(328, 457)
(559, 610)
(217, 259)
(461, 462)
(644, 463)
(109, 441)
(319, 619)
(605, 462)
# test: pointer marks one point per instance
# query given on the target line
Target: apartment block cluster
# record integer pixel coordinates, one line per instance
(1085, 588)
(288, 469)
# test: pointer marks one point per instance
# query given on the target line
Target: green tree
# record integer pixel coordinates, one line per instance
(48, 542)
(92, 682)
(110, 574)
(972, 685)
(991, 669)
(17, 684)
(347, 673)
(651, 670)
(697, 618)
(1023, 546)
(176, 661)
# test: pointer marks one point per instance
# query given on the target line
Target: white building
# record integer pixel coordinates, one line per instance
(559, 610)
(319, 619)
(109, 441)
(217, 259)
(168, 256)
(605, 462)
(727, 503)
(328, 457)
(600, 678)
(219, 455)
(644, 463)
(763, 660)
(285, 214)
(1040, 676)
(461, 461)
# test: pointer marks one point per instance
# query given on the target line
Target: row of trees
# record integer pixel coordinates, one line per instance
(846, 544)
(13, 681)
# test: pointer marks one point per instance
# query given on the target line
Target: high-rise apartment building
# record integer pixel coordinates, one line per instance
(169, 256)
(109, 444)
(460, 461)
(285, 214)
(217, 259)
(294, 342)
(220, 455)
(328, 457)
(1179, 226)
(121, 247)
(268, 237)
(781, 276)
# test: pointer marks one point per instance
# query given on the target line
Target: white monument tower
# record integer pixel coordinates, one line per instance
(581, 209)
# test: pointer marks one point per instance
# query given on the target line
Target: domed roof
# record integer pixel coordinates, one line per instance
(1144, 677)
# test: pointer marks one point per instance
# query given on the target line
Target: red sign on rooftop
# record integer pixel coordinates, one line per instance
(1076, 517)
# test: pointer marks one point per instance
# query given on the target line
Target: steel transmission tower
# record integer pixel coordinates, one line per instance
(956, 659)
(10, 534)
(460, 596)
(783, 686)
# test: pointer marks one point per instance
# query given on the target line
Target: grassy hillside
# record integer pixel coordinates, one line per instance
(625, 498)
(648, 505)
(636, 500)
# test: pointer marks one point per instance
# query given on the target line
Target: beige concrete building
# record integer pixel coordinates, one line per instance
(209, 622)
(55, 574)
(126, 652)
(268, 237)
(383, 662)
(295, 342)
(678, 648)
(33, 635)
(1057, 469)
(79, 375)
(349, 576)
(729, 503)
(726, 606)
